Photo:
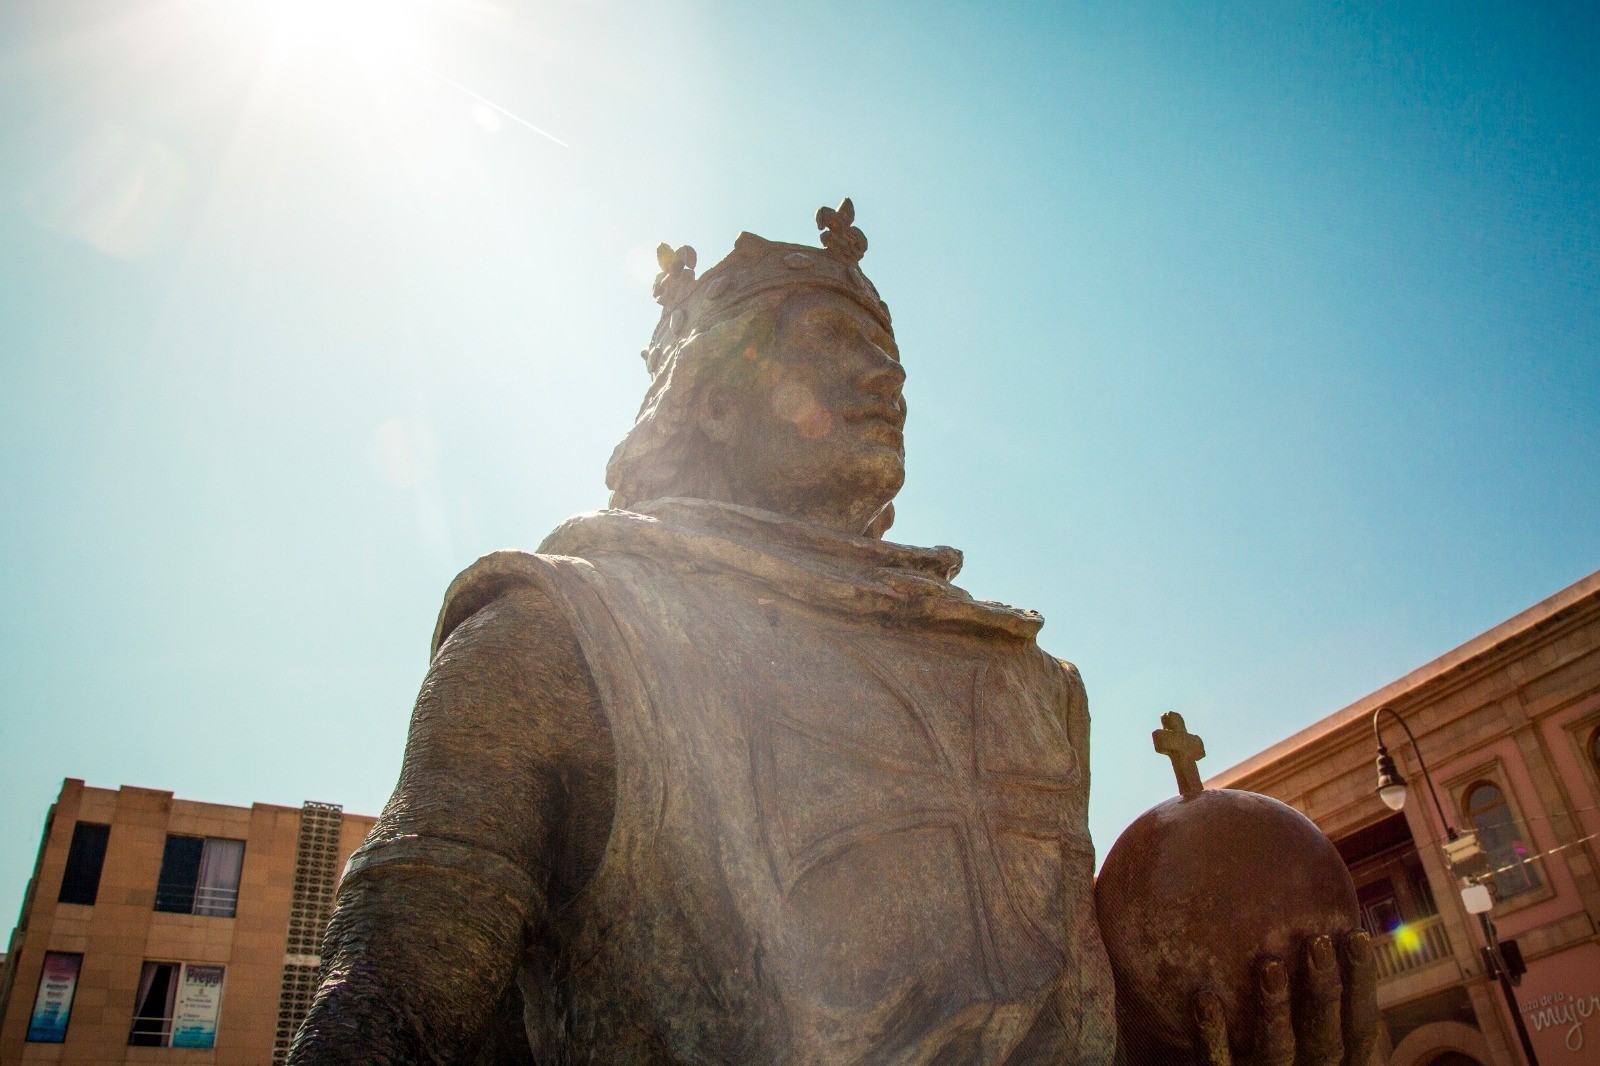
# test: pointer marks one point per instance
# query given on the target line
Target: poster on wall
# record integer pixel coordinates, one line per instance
(52, 1008)
(194, 1016)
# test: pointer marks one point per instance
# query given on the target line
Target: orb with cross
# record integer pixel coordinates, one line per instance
(1210, 852)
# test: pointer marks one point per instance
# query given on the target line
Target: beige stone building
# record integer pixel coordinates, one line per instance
(1509, 727)
(157, 929)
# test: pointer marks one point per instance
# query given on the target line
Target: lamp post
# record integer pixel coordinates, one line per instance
(1475, 897)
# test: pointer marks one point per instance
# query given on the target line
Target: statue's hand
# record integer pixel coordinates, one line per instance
(1332, 1022)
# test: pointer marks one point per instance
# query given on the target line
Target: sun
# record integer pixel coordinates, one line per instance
(376, 37)
(356, 26)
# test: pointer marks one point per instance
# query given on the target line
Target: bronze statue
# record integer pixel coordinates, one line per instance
(721, 776)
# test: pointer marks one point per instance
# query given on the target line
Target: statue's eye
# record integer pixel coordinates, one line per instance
(830, 335)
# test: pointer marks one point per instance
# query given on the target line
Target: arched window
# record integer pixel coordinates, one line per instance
(1490, 815)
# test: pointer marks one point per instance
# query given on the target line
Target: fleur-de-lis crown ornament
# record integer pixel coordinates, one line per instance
(676, 279)
(757, 265)
(840, 233)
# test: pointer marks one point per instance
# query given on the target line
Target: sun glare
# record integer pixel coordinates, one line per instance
(361, 26)
(368, 34)
(251, 93)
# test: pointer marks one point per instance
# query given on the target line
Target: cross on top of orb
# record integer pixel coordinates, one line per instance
(1184, 748)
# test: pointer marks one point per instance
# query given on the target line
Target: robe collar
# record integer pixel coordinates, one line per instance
(799, 560)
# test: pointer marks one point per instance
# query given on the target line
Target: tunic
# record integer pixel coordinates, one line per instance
(851, 806)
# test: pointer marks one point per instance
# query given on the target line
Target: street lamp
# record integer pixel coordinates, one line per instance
(1465, 858)
(1391, 785)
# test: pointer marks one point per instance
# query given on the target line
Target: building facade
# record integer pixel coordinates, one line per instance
(157, 929)
(1508, 725)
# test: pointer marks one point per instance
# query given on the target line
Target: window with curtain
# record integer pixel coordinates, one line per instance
(152, 1006)
(216, 891)
(1490, 815)
(200, 875)
(177, 1005)
(80, 882)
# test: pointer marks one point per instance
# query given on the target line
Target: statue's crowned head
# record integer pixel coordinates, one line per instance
(775, 382)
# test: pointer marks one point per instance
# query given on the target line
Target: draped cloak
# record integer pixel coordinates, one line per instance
(851, 805)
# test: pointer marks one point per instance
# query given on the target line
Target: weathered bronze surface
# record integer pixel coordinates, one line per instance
(1193, 986)
(721, 776)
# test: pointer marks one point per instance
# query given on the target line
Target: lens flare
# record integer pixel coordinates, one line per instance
(119, 191)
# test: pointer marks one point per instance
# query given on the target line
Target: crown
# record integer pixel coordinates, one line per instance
(757, 265)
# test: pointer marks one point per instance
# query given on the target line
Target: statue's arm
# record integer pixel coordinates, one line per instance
(435, 907)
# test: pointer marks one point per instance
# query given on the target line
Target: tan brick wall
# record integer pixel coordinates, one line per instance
(122, 930)
(38, 920)
(250, 1007)
(120, 927)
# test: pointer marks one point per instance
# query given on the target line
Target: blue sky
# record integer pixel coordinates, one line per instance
(1257, 346)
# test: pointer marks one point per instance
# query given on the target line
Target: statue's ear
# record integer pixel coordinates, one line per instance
(718, 415)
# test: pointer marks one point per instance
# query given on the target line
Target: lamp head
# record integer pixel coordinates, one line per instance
(1391, 785)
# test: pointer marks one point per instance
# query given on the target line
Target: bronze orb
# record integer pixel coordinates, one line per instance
(1167, 887)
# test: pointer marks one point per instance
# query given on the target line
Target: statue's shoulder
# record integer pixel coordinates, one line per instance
(1074, 681)
(1071, 697)
(491, 578)
(1076, 707)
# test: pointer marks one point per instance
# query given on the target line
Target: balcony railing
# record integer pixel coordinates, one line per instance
(1411, 947)
(185, 898)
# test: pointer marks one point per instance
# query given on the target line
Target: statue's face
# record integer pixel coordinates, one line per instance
(814, 426)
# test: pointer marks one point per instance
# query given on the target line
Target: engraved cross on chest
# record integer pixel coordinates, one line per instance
(1175, 741)
(957, 789)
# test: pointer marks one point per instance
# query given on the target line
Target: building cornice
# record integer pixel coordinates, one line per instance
(1457, 667)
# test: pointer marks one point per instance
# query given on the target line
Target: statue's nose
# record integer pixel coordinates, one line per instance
(885, 379)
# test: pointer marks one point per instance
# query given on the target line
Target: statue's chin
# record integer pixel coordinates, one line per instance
(846, 491)
(866, 485)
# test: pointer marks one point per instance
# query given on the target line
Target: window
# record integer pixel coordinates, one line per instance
(152, 1007)
(177, 1005)
(1380, 907)
(1490, 814)
(52, 1007)
(200, 875)
(1594, 750)
(80, 883)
